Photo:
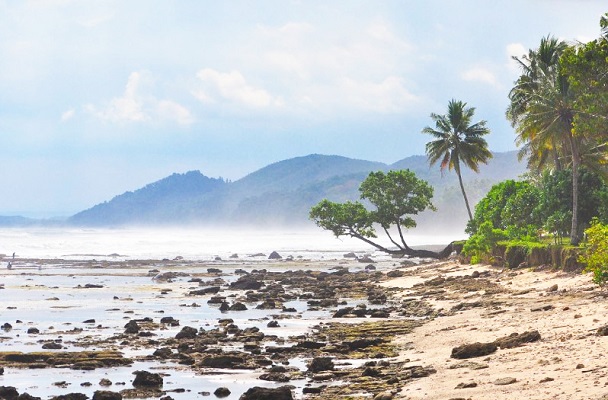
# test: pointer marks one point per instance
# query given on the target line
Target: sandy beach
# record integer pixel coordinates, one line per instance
(568, 362)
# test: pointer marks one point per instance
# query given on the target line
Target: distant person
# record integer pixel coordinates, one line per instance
(9, 265)
(13, 255)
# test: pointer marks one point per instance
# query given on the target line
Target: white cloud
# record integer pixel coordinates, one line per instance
(233, 87)
(136, 106)
(480, 74)
(173, 111)
(68, 114)
(388, 96)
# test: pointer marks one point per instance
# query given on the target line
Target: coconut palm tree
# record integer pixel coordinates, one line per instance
(542, 111)
(458, 140)
(540, 86)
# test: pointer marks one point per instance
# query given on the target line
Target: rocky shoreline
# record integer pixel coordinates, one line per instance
(393, 329)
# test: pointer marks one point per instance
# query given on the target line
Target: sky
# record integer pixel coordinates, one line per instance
(102, 97)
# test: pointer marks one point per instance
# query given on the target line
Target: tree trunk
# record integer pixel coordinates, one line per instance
(574, 234)
(408, 251)
(466, 201)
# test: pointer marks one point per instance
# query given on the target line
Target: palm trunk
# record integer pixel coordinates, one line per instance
(466, 201)
(574, 235)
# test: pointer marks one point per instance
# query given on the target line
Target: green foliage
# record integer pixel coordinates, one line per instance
(480, 244)
(509, 205)
(343, 218)
(595, 252)
(395, 195)
(556, 201)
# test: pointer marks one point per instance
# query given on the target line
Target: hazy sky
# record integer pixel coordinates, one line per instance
(100, 97)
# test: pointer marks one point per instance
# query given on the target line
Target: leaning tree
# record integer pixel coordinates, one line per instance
(394, 196)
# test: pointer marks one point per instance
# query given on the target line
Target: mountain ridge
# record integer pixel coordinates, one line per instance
(282, 193)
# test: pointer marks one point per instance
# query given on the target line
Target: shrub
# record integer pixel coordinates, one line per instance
(595, 252)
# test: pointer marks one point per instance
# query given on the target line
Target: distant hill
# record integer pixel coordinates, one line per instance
(165, 200)
(282, 193)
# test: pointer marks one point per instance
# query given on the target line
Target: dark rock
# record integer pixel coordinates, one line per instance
(147, 379)
(543, 308)
(273, 324)
(505, 381)
(92, 286)
(312, 390)
(89, 321)
(370, 371)
(363, 343)
(164, 353)
(132, 327)
(204, 291)
(214, 270)
(602, 331)
(275, 377)
(27, 396)
(395, 274)
(222, 392)
(187, 332)
(52, 346)
(350, 255)
(384, 396)
(71, 396)
(370, 267)
(319, 364)
(1, 371)
(274, 256)
(222, 361)
(8, 393)
(473, 350)
(105, 382)
(106, 395)
(238, 307)
(517, 339)
(246, 282)
(380, 314)
(169, 321)
(6, 326)
(224, 306)
(418, 371)
(466, 385)
(262, 393)
(365, 259)
(33, 330)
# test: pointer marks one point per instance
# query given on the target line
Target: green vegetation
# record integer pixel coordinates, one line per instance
(559, 108)
(595, 252)
(458, 139)
(395, 196)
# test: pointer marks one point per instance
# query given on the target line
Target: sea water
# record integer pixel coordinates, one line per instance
(191, 244)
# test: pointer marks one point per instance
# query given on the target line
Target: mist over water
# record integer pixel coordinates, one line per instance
(192, 244)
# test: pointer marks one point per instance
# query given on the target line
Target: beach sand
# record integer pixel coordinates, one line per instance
(568, 362)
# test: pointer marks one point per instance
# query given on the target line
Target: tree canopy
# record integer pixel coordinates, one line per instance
(395, 197)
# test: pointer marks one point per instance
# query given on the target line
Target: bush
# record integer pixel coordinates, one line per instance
(595, 252)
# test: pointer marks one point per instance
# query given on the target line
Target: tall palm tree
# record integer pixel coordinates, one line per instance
(540, 85)
(542, 111)
(458, 140)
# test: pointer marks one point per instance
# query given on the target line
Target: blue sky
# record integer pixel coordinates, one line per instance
(101, 97)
